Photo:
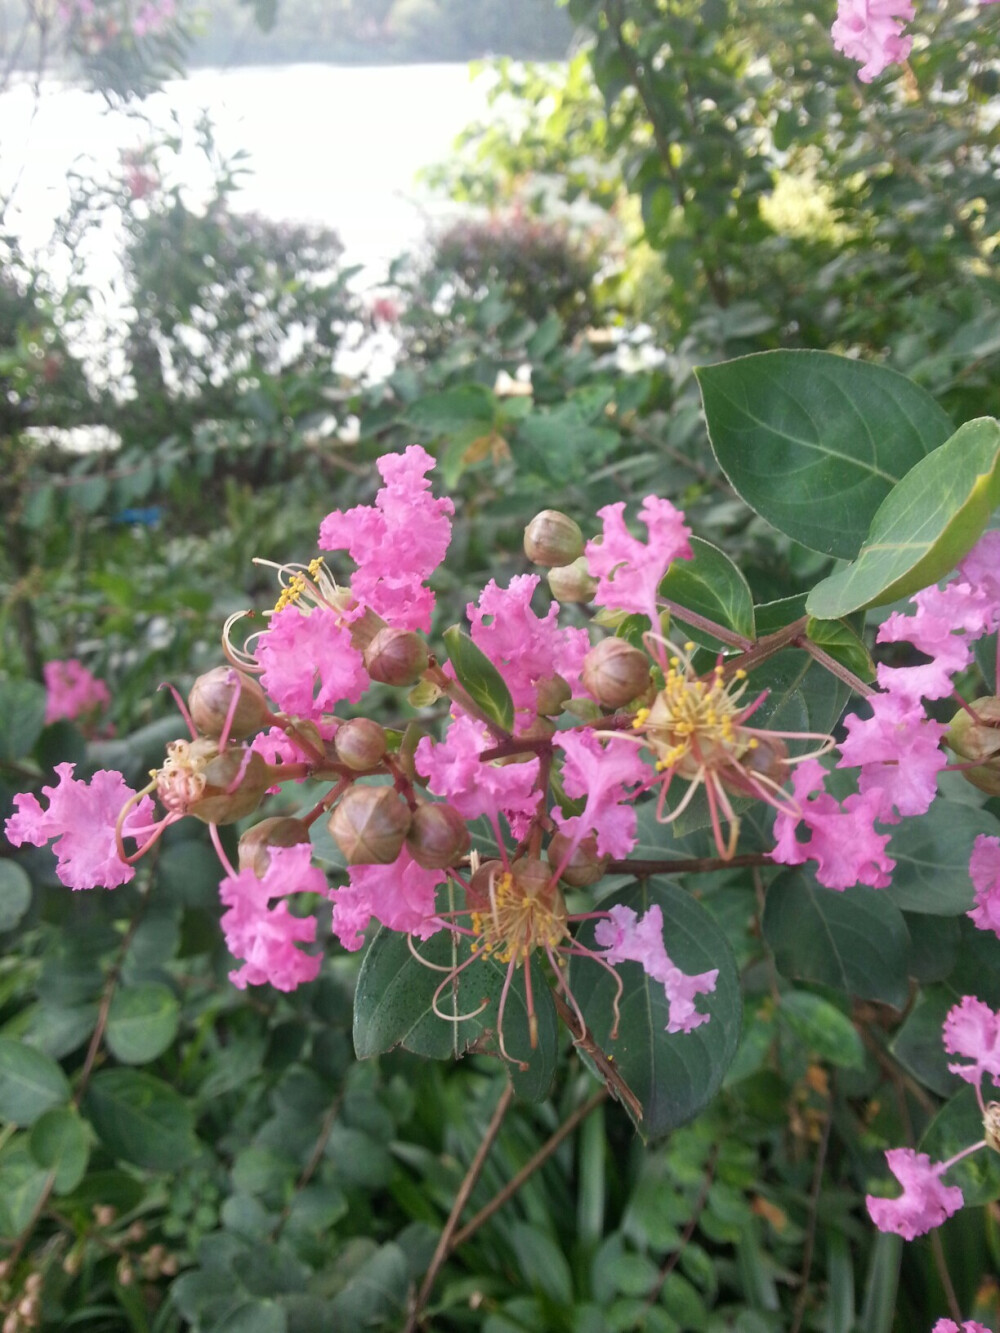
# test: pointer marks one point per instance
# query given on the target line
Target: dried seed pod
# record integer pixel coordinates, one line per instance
(360, 743)
(211, 698)
(438, 836)
(396, 657)
(553, 538)
(615, 673)
(369, 825)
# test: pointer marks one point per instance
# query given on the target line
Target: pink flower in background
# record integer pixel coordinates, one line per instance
(153, 17)
(267, 936)
(984, 868)
(629, 570)
(72, 690)
(81, 816)
(401, 896)
(309, 663)
(972, 1029)
(898, 752)
(970, 1325)
(628, 938)
(608, 776)
(871, 31)
(396, 543)
(842, 838)
(454, 770)
(925, 1202)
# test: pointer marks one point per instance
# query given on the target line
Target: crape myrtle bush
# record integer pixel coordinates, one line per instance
(180, 1153)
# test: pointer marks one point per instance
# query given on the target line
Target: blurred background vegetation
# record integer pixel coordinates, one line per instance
(700, 180)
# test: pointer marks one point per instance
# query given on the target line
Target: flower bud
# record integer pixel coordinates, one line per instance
(369, 825)
(481, 883)
(360, 743)
(572, 582)
(438, 836)
(552, 694)
(396, 657)
(533, 880)
(211, 698)
(615, 673)
(280, 831)
(217, 786)
(552, 538)
(978, 738)
(584, 867)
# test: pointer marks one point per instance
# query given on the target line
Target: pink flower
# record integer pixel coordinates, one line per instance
(267, 936)
(454, 770)
(608, 776)
(984, 868)
(898, 752)
(525, 648)
(871, 31)
(924, 1204)
(981, 567)
(628, 938)
(401, 896)
(972, 1029)
(82, 817)
(300, 652)
(629, 570)
(970, 1325)
(71, 690)
(842, 839)
(397, 543)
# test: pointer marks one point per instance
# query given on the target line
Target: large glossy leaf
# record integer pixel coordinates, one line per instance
(30, 1083)
(932, 858)
(958, 1125)
(815, 442)
(393, 1006)
(142, 1023)
(58, 1143)
(933, 517)
(15, 894)
(673, 1075)
(855, 941)
(711, 585)
(480, 677)
(141, 1119)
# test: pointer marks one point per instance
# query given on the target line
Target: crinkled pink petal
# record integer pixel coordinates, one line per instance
(81, 816)
(608, 775)
(981, 567)
(925, 1202)
(71, 690)
(454, 770)
(628, 570)
(265, 936)
(970, 1325)
(984, 868)
(871, 31)
(401, 896)
(898, 752)
(397, 543)
(309, 663)
(842, 841)
(276, 747)
(972, 1029)
(625, 937)
(525, 648)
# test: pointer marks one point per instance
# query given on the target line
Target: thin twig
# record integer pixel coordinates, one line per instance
(699, 1207)
(809, 1245)
(530, 1167)
(468, 1184)
(834, 667)
(941, 1264)
(692, 865)
(585, 1042)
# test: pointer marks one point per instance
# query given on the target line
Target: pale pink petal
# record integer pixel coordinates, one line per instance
(842, 840)
(628, 938)
(265, 936)
(608, 775)
(972, 1029)
(925, 1202)
(401, 896)
(871, 31)
(898, 752)
(984, 869)
(629, 571)
(309, 664)
(454, 770)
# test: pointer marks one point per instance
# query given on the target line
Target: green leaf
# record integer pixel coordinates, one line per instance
(395, 994)
(30, 1083)
(142, 1023)
(15, 894)
(711, 585)
(932, 518)
(253, 1316)
(843, 644)
(480, 677)
(918, 1045)
(815, 442)
(958, 1125)
(823, 1029)
(855, 941)
(22, 716)
(674, 1075)
(22, 1186)
(58, 1143)
(141, 1119)
(453, 409)
(932, 858)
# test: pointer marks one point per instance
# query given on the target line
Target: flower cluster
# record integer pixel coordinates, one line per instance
(872, 32)
(71, 691)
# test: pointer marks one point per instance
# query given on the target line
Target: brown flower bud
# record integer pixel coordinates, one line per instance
(235, 781)
(552, 538)
(438, 836)
(615, 673)
(584, 867)
(280, 831)
(978, 740)
(360, 743)
(572, 582)
(481, 883)
(369, 825)
(396, 657)
(552, 694)
(212, 695)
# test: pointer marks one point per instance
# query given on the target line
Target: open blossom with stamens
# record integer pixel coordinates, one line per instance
(608, 773)
(984, 868)
(925, 1202)
(842, 838)
(871, 31)
(308, 662)
(267, 936)
(81, 816)
(626, 937)
(630, 570)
